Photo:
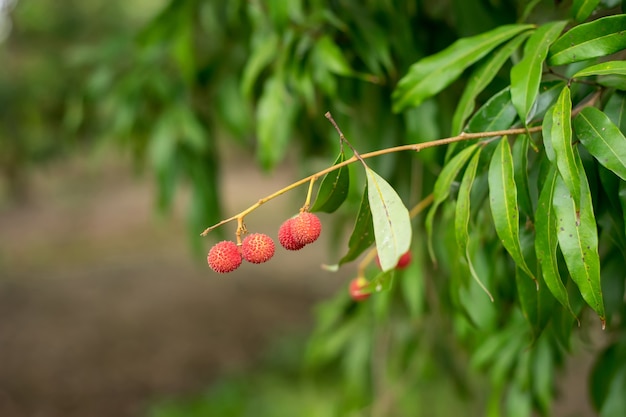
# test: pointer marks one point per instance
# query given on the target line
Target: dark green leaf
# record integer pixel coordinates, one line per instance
(615, 108)
(441, 190)
(605, 68)
(560, 138)
(616, 81)
(480, 78)
(392, 223)
(497, 113)
(602, 139)
(578, 238)
(526, 74)
(582, 9)
(362, 235)
(432, 74)
(546, 240)
(503, 200)
(334, 188)
(615, 402)
(520, 158)
(462, 217)
(601, 37)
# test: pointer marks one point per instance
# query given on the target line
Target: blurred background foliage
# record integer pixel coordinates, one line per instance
(202, 78)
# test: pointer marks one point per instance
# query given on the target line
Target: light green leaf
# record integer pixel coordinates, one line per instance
(462, 217)
(264, 50)
(392, 223)
(441, 190)
(582, 9)
(275, 113)
(480, 78)
(328, 53)
(334, 188)
(546, 241)
(578, 238)
(432, 74)
(601, 37)
(602, 139)
(383, 281)
(560, 138)
(605, 68)
(526, 74)
(412, 281)
(503, 201)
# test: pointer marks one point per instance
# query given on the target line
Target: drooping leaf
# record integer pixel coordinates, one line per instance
(546, 240)
(275, 113)
(548, 94)
(526, 74)
(441, 190)
(497, 113)
(412, 281)
(480, 78)
(605, 68)
(578, 238)
(601, 37)
(615, 108)
(520, 168)
(602, 139)
(392, 223)
(582, 9)
(328, 52)
(503, 201)
(560, 138)
(432, 74)
(264, 50)
(334, 188)
(462, 217)
(383, 281)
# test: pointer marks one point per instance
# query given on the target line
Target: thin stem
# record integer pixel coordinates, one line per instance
(307, 202)
(342, 138)
(413, 147)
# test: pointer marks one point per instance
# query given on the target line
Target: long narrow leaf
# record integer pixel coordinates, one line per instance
(602, 139)
(526, 74)
(605, 68)
(430, 75)
(582, 9)
(503, 201)
(615, 108)
(334, 188)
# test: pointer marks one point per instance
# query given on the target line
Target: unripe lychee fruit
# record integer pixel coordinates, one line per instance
(257, 248)
(285, 237)
(356, 289)
(306, 228)
(224, 257)
(403, 262)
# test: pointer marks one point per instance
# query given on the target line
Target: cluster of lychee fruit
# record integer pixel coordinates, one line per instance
(294, 234)
(357, 287)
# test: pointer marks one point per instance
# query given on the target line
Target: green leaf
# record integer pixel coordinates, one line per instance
(582, 9)
(601, 37)
(328, 53)
(462, 217)
(605, 68)
(615, 81)
(602, 139)
(275, 115)
(383, 281)
(412, 281)
(362, 235)
(546, 241)
(497, 113)
(578, 238)
(432, 74)
(441, 190)
(392, 223)
(560, 138)
(526, 74)
(480, 78)
(264, 50)
(520, 156)
(334, 188)
(615, 108)
(548, 94)
(503, 200)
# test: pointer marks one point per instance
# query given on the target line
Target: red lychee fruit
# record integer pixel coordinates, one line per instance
(224, 257)
(257, 248)
(403, 262)
(285, 237)
(356, 289)
(306, 228)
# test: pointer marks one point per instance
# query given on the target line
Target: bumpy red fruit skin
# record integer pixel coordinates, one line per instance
(257, 248)
(306, 228)
(356, 289)
(224, 257)
(285, 237)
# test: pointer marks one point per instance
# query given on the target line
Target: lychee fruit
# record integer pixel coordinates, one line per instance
(403, 262)
(306, 228)
(224, 257)
(356, 289)
(257, 248)
(285, 237)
